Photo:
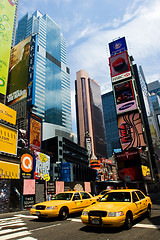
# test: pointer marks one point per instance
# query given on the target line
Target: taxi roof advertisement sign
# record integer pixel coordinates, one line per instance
(118, 46)
(119, 67)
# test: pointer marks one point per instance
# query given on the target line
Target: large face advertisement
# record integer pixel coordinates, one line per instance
(124, 97)
(119, 67)
(35, 133)
(130, 131)
(7, 12)
(18, 72)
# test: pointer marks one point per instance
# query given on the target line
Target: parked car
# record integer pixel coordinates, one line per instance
(117, 208)
(62, 204)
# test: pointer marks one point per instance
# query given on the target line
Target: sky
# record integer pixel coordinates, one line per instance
(89, 25)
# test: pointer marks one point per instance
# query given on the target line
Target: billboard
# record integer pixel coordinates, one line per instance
(7, 114)
(129, 165)
(26, 166)
(32, 71)
(118, 46)
(119, 67)
(130, 131)
(18, 72)
(124, 97)
(42, 166)
(8, 140)
(7, 9)
(9, 170)
(35, 133)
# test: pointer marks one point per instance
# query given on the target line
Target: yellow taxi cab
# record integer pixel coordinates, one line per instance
(117, 208)
(62, 204)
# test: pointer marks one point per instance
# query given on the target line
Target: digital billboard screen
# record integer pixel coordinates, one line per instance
(130, 131)
(117, 46)
(35, 133)
(124, 97)
(18, 72)
(119, 67)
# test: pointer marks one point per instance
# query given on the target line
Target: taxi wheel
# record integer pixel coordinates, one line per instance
(128, 221)
(63, 213)
(148, 213)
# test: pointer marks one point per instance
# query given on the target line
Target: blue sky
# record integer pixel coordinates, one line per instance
(89, 25)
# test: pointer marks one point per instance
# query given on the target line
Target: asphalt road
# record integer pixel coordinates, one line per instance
(21, 225)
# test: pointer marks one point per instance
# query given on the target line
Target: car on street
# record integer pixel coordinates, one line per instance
(62, 204)
(117, 208)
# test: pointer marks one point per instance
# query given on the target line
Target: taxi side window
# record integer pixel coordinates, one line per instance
(76, 197)
(134, 197)
(140, 195)
(85, 195)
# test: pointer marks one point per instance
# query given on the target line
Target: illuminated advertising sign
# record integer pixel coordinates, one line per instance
(8, 140)
(42, 166)
(26, 166)
(119, 67)
(35, 133)
(18, 72)
(124, 97)
(129, 165)
(32, 71)
(9, 170)
(7, 114)
(118, 46)
(7, 13)
(130, 131)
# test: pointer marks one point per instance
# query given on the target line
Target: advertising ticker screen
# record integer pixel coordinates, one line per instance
(18, 72)
(124, 97)
(119, 67)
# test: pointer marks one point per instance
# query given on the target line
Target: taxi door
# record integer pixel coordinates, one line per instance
(143, 201)
(136, 205)
(86, 199)
(77, 203)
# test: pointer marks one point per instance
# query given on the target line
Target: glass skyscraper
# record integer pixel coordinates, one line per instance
(110, 121)
(52, 76)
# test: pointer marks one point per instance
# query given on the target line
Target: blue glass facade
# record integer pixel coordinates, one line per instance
(52, 81)
(110, 121)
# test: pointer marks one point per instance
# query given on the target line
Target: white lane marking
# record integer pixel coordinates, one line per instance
(9, 230)
(147, 226)
(74, 220)
(37, 229)
(14, 235)
(27, 238)
(25, 216)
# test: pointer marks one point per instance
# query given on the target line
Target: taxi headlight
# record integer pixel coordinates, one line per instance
(85, 213)
(115, 214)
(51, 207)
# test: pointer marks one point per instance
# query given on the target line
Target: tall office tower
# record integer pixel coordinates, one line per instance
(90, 120)
(111, 124)
(47, 66)
(15, 23)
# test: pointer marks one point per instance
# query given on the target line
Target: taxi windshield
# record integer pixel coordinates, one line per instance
(116, 197)
(63, 196)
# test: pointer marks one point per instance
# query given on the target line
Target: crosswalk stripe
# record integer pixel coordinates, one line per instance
(11, 230)
(5, 219)
(14, 235)
(147, 226)
(25, 216)
(27, 238)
